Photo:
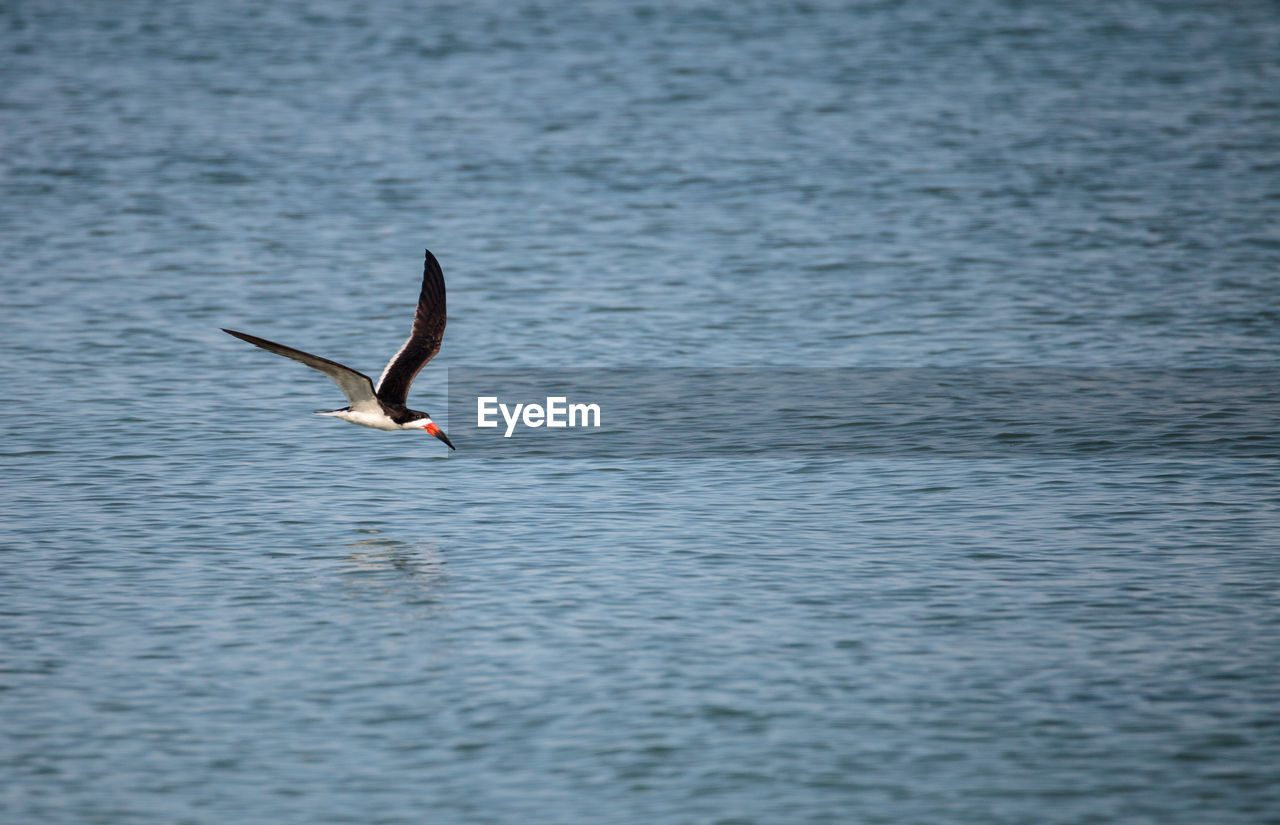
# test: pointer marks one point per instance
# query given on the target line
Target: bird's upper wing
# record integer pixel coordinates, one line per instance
(356, 386)
(424, 340)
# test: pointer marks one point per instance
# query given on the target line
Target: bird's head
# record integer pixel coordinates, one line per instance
(425, 423)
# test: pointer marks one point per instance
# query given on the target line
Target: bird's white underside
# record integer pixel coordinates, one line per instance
(378, 420)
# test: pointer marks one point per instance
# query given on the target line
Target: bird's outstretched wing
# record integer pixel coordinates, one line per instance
(356, 386)
(424, 340)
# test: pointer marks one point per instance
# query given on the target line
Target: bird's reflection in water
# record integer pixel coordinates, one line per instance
(385, 567)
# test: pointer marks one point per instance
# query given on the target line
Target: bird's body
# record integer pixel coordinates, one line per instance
(377, 420)
(384, 408)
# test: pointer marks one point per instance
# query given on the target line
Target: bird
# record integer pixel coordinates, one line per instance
(383, 407)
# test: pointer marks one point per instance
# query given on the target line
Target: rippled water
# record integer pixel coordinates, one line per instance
(218, 608)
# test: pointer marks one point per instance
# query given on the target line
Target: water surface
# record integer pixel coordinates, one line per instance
(218, 608)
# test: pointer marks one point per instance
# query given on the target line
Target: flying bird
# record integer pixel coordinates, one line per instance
(384, 408)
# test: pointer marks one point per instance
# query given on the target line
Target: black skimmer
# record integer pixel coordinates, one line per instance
(384, 408)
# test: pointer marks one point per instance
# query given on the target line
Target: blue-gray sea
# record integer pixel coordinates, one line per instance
(218, 608)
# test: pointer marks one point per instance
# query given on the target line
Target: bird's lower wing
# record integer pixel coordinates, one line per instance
(356, 386)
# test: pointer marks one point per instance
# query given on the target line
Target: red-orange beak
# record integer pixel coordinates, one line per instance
(439, 433)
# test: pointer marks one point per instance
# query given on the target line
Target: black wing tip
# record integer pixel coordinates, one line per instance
(432, 282)
(244, 336)
(430, 266)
